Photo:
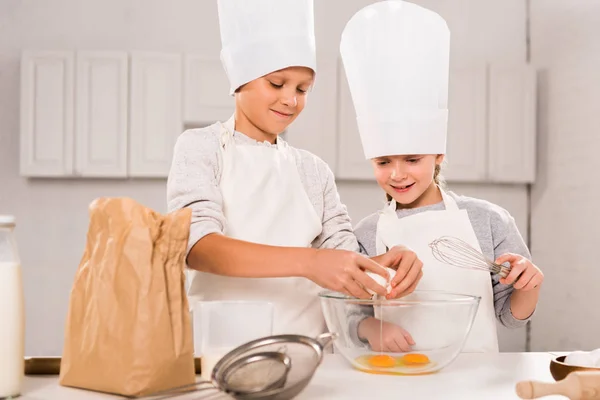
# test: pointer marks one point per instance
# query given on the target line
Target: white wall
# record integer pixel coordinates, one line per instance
(565, 230)
(52, 214)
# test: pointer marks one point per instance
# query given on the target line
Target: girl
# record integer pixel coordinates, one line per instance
(400, 100)
(267, 216)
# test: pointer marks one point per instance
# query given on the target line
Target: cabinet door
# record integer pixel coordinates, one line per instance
(466, 158)
(315, 129)
(101, 114)
(206, 91)
(46, 146)
(512, 138)
(351, 162)
(155, 112)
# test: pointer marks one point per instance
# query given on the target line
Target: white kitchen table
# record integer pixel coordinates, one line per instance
(471, 376)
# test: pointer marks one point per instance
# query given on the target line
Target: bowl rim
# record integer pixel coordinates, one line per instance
(451, 297)
(562, 363)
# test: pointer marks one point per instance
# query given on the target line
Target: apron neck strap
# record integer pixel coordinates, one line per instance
(228, 128)
(449, 203)
(230, 124)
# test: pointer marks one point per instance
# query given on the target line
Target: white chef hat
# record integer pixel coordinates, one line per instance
(262, 36)
(396, 58)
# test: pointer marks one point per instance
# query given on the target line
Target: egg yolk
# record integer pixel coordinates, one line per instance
(383, 361)
(415, 359)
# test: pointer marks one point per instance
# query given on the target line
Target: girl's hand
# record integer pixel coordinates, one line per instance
(408, 270)
(385, 336)
(524, 275)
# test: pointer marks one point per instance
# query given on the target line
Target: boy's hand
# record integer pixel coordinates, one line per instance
(524, 275)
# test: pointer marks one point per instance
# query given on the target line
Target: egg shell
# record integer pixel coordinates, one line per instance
(381, 280)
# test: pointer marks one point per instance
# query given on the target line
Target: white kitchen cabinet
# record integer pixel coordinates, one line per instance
(46, 146)
(315, 129)
(466, 146)
(491, 127)
(512, 135)
(155, 112)
(206, 91)
(74, 114)
(101, 114)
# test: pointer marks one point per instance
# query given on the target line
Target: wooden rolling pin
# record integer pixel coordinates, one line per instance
(578, 385)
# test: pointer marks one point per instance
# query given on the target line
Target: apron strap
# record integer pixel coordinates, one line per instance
(380, 247)
(225, 141)
(226, 131)
(390, 212)
(449, 204)
(449, 201)
(281, 144)
(230, 124)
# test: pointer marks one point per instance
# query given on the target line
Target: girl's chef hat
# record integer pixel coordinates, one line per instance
(262, 36)
(396, 58)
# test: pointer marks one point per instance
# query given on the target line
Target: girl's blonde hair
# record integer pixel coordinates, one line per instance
(437, 178)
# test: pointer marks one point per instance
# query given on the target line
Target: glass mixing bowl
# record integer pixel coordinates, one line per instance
(373, 333)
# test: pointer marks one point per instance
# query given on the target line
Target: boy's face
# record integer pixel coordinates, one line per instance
(272, 102)
(406, 177)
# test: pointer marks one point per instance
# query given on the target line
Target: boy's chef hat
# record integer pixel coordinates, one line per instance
(262, 36)
(396, 58)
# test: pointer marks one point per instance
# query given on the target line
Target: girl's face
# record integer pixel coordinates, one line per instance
(408, 179)
(272, 102)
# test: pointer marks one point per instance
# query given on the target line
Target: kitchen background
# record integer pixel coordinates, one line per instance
(94, 93)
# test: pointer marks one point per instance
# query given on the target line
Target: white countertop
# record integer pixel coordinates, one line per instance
(471, 376)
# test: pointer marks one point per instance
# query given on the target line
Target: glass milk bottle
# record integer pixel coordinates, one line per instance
(12, 312)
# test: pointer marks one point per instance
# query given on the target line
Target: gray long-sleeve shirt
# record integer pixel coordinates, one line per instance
(194, 182)
(495, 229)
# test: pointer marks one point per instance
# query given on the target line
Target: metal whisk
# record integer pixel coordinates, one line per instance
(456, 252)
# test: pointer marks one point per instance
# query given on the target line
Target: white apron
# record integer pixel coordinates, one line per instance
(416, 232)
(265, 202)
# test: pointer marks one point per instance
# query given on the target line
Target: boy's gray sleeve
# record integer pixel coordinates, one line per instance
(366, 231)
(194, 182)
(507, 239)
(336, 230)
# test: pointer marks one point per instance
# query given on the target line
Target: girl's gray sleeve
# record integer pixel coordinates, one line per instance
(337, 233)
(194, 182)
(365, 234)
(507, 239)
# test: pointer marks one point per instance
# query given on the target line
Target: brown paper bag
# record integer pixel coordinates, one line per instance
(128, 328)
